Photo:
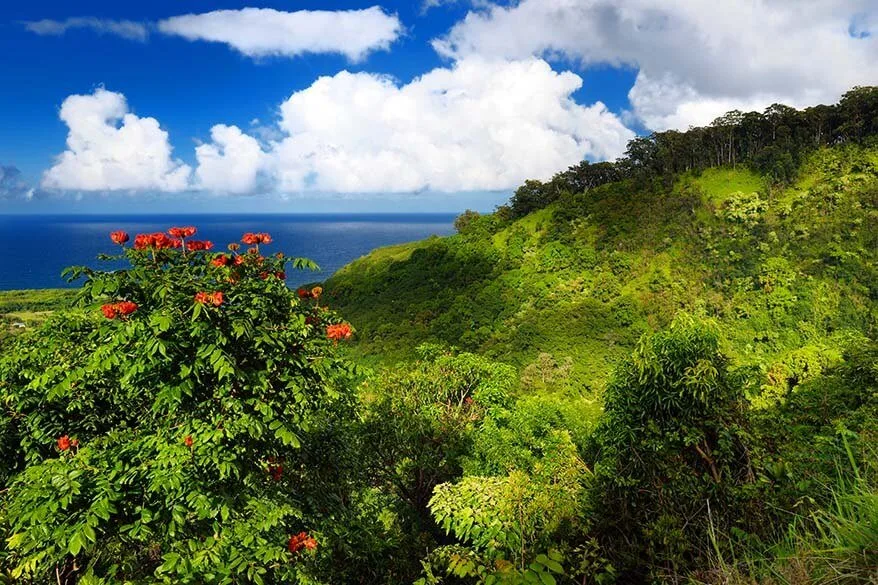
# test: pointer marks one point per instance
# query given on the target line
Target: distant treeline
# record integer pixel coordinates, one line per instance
(772, 143)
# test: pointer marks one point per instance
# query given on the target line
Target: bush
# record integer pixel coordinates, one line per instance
(160, 435)
(671, 445)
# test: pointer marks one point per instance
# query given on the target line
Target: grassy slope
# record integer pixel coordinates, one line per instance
(30, 307)
(790, 275)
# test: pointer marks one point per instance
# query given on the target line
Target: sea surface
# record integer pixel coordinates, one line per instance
(36, 248)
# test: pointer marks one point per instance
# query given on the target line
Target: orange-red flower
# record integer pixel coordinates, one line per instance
(121, 309)
(157, 240)
(196, 245)
(252, 239)
(280, 275)
(119, 237)
(215, 298)
(339, 331)
(300, 541)
(64, 443)
(182, 232)
(188, 441)
(304, 293)
(221, 260)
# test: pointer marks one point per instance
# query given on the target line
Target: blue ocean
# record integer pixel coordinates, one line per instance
(36, 248)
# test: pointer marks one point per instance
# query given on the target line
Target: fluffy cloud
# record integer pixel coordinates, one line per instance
(135, 31)
(109, 148)
(261, 32)
(231, 163)
(479, 125)
(696, 58)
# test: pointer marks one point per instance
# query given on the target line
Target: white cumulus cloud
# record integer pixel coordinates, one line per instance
(263, 32)
(478, 125)
(109, 148)
(231, 163)
(696, 58)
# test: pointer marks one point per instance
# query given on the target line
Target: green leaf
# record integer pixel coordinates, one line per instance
(75, 544)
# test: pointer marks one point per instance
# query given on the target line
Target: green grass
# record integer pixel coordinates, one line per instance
(30, 308)
(719, 183)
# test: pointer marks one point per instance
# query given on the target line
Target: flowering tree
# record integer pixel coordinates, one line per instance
(168, 431)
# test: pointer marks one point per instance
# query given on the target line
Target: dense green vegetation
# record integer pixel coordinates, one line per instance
(663, 369)
(566, 292)
(767, 472)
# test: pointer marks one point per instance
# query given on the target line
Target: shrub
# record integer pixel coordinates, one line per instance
(671, 445)
(167, 433)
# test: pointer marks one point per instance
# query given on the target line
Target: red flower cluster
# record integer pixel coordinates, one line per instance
(214, 298)
(182, 232)
(123, 309)
(252, 239)
(279, 275)
(158, 241)
(339, 332)
(314, 293)
(300, 541)
(65, 443)
(221, 260)
(275, 468)
(119, 237)
(188, 441)
(197, 246)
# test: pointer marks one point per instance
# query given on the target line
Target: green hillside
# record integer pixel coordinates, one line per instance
(22, 310)
(563, 293)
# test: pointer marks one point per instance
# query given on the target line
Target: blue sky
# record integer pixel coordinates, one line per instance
(446, 106)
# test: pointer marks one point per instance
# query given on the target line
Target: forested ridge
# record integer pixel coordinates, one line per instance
(773, 144)
(658, 370)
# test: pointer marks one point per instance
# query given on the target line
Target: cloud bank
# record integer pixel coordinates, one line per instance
(257, 32)
(696, 58)
(495, 115)
(478, 125)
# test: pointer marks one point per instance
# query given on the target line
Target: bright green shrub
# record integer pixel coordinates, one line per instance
(181, 437)
(505, 522)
